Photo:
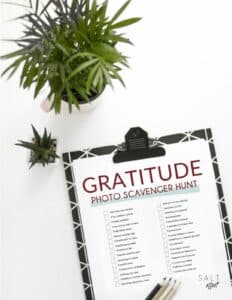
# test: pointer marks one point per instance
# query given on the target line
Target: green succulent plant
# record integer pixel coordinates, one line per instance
(43, 148)
(70, 47)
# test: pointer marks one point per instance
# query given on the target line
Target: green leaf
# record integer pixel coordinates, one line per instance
(36, 6)
(57, 102)
(29, 146)
(36, 24)
(32, 164)
(46, 6)
(71, 98)
(62, 73)
(32, 73)
(14, 65)
(125, 23)
(103, 13)
(81, 32)
(47, 143)
(81, 54)
(124, 62)
(24, 71)
(45, 135)
(81, 90)
(73, 7)
(40, 84)
(97, 78)
(117, 38)
(100, 81)
(62, 48)
(82, 67)
(36, 134)
(106, 52)
(8, 69)
(90, 78)
(97, 12)
(60, 5)
(107, 76)
(119, 12)
(12, 73)
(93, 8)
(115, 74)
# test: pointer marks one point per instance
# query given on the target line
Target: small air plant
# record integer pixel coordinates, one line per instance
(43, 148)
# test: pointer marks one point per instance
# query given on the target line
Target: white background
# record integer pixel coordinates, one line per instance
(180, 79)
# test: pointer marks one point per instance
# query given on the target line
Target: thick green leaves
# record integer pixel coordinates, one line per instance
(43, 148)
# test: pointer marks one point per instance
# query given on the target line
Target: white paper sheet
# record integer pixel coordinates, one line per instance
(151, 218)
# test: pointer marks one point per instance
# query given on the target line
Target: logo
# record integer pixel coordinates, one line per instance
(210, 281)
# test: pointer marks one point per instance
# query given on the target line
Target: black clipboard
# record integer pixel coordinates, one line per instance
(138, 145)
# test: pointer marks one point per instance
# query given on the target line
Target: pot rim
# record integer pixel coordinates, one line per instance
(91, 98)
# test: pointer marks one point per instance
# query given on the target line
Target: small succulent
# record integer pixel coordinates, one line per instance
(70, 48)
(43, 148)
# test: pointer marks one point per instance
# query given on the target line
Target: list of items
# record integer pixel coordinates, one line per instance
(180, 236)
(122, 228)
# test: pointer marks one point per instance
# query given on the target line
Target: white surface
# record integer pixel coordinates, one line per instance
(181, 79)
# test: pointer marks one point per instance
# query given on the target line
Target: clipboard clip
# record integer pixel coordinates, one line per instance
(137, 147)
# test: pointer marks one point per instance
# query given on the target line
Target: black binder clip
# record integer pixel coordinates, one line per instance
(137, 147)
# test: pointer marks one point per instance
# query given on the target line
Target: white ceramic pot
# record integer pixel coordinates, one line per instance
(88, 106)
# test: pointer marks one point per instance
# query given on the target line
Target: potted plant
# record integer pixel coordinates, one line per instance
(42, 148)
(71, 48)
